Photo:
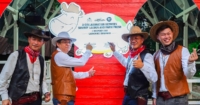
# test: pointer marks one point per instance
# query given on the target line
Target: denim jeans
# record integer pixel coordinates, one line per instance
(181, 100)
(55, 102)
(129, 101)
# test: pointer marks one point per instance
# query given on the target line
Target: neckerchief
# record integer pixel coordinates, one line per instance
(168, 49)
(32, 54)
(137, 51)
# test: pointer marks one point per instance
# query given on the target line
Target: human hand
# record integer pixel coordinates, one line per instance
(47, 97)
(138, 62)
(91, 72)
(112, 46)
(193, 56)
(154, 101)
(6, 102)
(89, 47)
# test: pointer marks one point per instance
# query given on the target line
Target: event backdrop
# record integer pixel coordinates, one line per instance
(106, 87)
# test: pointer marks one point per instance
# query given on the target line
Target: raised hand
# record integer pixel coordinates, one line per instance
(112, 46)
(89, 47)
(47, 97)
(91, 72)
(6, 102)
(138, 63)
(154, 101)
(193, 56)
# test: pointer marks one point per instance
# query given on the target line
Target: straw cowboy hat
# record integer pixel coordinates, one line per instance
(62, 35)
(135, 30)
(174, 26)
(38, 33)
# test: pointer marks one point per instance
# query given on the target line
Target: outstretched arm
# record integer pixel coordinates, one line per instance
(82, 75)
(64, 60)
(119, 56)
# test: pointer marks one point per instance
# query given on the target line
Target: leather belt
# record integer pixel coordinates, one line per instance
(165, 95)
(27, 98)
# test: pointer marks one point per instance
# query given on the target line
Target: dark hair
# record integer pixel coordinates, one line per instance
(33, 36)
(161, 28)
(58, 41)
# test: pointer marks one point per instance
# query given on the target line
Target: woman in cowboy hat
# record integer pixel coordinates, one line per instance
(174, 64)
(139, 68)
(63, 78)
(26, 71)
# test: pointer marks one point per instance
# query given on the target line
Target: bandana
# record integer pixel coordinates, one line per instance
(136, 52)
(168, 49)
(32, 54)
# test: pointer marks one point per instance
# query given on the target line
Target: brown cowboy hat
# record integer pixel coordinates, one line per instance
(172, 24)
(135, 30)
(38, 33)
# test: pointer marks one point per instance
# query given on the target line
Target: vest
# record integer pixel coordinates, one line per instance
(175, 80)
(63, 82)
(20, 77)
(137, 83)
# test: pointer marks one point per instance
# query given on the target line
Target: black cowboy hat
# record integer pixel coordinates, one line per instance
(38, 33)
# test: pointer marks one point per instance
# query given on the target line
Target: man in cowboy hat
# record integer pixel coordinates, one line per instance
(173, 63)
(139, 65)
(25, 69)
(63, 78)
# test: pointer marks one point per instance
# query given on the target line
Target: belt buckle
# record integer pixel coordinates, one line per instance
(33, 97)
(166, 95)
